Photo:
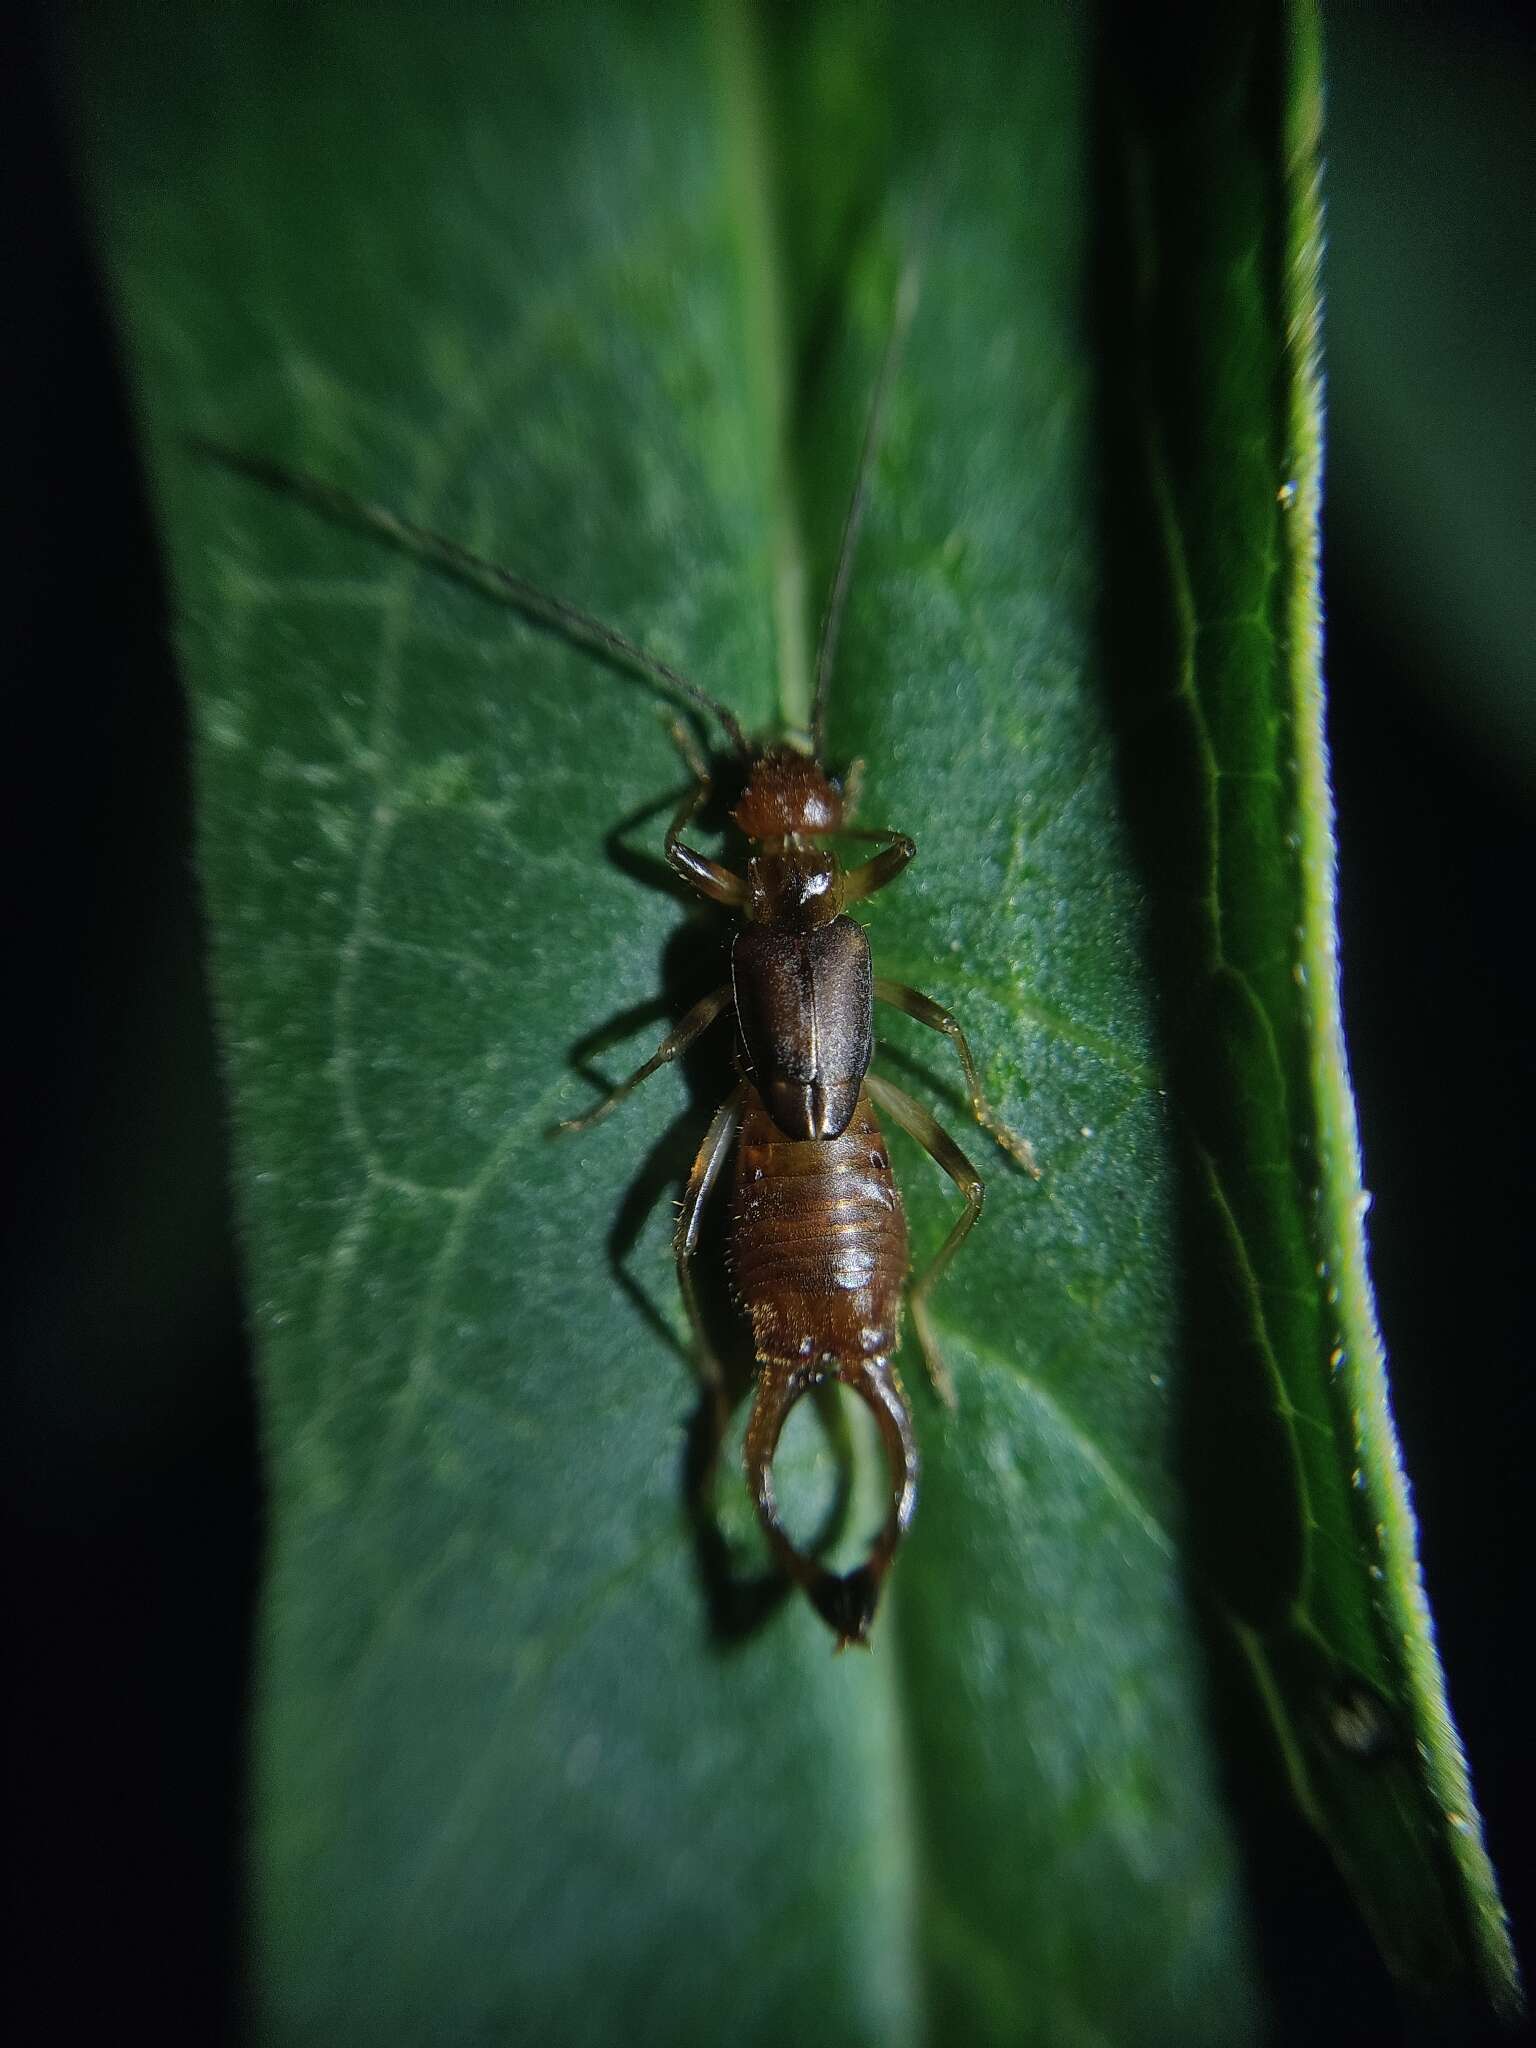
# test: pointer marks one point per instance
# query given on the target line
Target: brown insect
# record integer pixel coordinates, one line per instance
(818, 1239)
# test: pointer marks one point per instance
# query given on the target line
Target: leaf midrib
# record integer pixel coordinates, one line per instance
(738, 66)
(750, 159)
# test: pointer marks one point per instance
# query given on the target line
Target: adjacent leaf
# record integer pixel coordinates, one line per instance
(603, 296)
(1290, 1451)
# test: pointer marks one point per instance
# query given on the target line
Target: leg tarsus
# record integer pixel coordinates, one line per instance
(939, 1375)
(693, 761)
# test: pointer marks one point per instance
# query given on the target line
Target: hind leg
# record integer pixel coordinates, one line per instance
(712, 1155)
(921, 1124)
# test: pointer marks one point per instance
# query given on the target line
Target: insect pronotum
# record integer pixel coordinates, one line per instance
(817, 1245)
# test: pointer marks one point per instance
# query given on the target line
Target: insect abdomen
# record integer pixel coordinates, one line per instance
(818, 1244)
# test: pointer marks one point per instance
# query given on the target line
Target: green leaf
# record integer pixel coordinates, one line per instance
(604, 296)
(1299, 1512)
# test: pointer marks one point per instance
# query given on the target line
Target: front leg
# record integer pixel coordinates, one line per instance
(874, 874)
(937, 1018)
(719, 884)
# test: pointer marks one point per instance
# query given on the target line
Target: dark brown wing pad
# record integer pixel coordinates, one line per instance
(805, 1010)
(845, 1601)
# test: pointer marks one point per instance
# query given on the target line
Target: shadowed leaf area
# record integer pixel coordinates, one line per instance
(541, 1749)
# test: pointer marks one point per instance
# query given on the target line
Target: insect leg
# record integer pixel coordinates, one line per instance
(718, 883)
(921, 1124)
(871, 875)
(712, 1155)
(937, 1018)
(678, 1040)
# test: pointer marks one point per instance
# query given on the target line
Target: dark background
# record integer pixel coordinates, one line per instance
(131, 1491)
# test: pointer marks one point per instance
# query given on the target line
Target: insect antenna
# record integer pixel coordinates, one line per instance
(908, 288)
(541, 605)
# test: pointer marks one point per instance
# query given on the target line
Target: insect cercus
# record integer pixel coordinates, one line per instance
(817, 1245)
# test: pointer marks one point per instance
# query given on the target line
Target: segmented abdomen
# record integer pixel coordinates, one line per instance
(818, 1243)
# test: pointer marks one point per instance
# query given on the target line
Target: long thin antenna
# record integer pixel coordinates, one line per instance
(436, 547)
(908, 289)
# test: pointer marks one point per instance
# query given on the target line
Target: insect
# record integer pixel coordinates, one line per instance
(817, 1241)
